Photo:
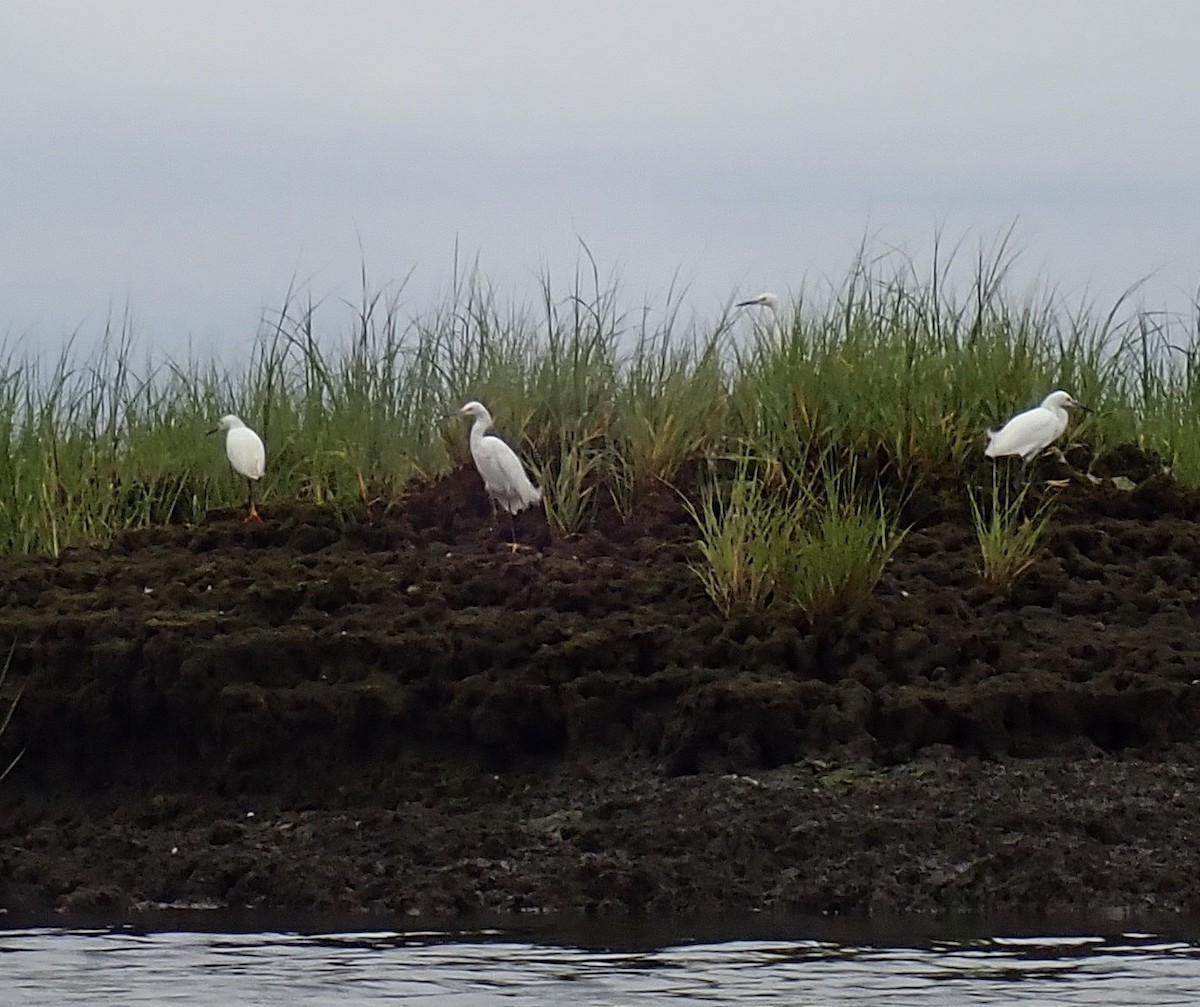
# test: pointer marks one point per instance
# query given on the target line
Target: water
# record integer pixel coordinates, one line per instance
(53, 966)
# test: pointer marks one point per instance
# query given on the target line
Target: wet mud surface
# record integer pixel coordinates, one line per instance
(391, 712)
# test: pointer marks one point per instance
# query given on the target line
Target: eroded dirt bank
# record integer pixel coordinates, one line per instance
(393, 713)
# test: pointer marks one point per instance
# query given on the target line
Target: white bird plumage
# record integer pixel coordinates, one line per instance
(504, 476)
(769, 301)
(765, 299)
(245, 451)
(1029, 433)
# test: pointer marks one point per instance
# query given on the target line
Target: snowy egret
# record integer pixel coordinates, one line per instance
(503, 474)
(769, 301)
(1029, 433)
(765, 299)
(245, 451)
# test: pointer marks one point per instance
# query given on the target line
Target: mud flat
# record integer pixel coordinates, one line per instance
(389, 712)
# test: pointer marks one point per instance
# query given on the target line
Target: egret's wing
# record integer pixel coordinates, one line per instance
(1026, 434)
(246, 452)
(504, 475)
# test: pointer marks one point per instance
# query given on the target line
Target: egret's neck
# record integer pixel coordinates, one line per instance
(479, 428)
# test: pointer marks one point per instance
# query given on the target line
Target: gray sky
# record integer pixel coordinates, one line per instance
(191, 159)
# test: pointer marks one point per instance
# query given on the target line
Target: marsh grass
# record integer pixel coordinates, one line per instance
(810, 543)
(1161, 412)
(1009, 530)
(838, 549)
(742, 526)
(897, 369)
(569, 481)
(891, 367)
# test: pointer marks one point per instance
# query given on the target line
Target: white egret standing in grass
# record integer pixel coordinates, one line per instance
(245, 451)
(769, 301)
(1029, 433)
(504, 476)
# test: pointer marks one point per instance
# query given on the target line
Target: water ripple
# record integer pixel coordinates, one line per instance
(50, 967)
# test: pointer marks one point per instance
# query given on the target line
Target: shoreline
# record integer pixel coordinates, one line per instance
(936, 837)
(393, 715)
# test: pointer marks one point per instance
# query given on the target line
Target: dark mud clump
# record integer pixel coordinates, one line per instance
(388, 711)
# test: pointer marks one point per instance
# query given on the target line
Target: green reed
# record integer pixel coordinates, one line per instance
(894, 369)
(810, 542)
(741, 527)
(1009, 531)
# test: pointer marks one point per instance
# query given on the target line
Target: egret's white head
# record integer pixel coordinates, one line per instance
(227, 422)
(765, 299)
(475, 409)
(1061, 400)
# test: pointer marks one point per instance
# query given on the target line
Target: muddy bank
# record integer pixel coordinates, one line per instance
(390, 712)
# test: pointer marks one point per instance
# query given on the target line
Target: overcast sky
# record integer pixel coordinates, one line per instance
(191, 159)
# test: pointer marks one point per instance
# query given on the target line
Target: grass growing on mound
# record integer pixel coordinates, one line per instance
(812, 544)
(837, 550)
(568, 481)
(889, 367)
(1009, 532)
(896, 369)
(742, 528)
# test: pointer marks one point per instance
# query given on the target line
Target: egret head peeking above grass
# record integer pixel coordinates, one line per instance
(504, 476)
(1028, 434)
(245, 451)
(769, 301)
(764, 300)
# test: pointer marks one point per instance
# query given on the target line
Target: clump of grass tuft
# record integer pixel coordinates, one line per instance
(814, 546)
(1009, 537)
(568, 481)
(670, 408)
(838, 550)
(740, 529)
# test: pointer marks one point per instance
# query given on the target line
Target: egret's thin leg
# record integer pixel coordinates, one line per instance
(1019, 482)
(495, 509)
(251, 517)
(512, 530)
